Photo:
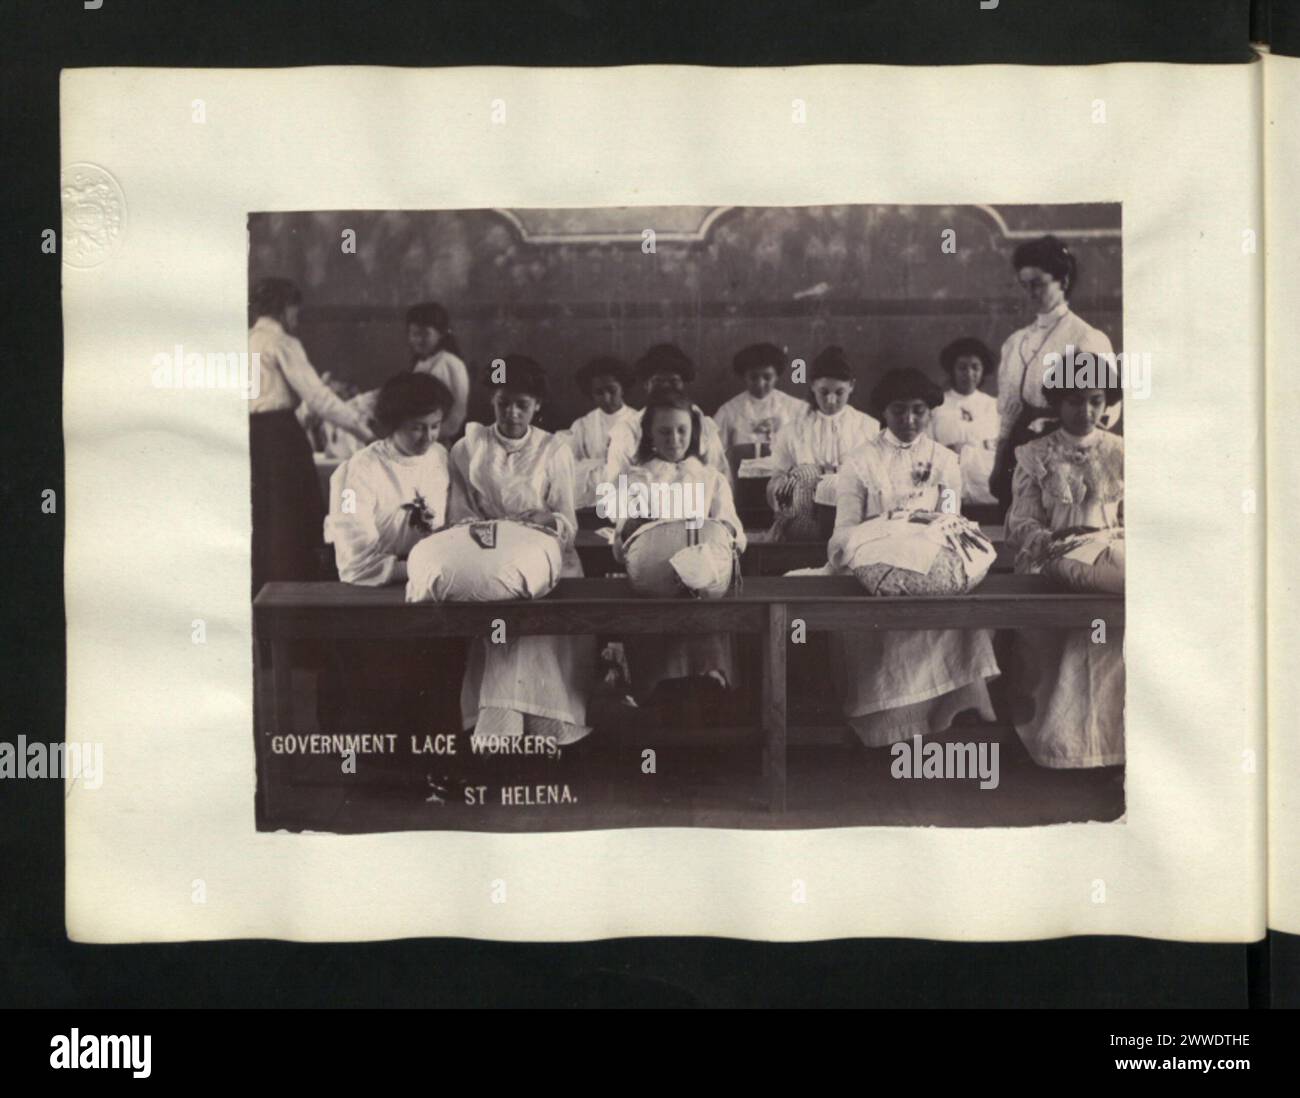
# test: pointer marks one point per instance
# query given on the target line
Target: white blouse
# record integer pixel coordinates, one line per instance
(969, 420)
(626, 437)
(1021, 370)
(814, 438)
(742, 420)
(1061, 481)
(497, 477)
(451, 371)
(588, 438)
(889, 475)
(287, 376)
(718, 501)
(382, 503)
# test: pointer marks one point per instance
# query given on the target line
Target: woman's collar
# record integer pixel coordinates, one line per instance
(1043, 320)
(896, 442)
(511, 443)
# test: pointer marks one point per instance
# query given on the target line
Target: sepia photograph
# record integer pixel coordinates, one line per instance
(688, 516)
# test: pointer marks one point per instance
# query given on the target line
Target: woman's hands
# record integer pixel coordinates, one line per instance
(540, 518)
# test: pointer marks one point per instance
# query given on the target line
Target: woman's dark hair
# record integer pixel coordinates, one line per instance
(603, 366)
(1048, 254)
(409, 396)
(664, 358)
(1108, 376)
(429, 314)
(903, 384)
(960, 348)
(758, 355)
(677, 401)
(521, 375)
(832, 363)
(271, 296)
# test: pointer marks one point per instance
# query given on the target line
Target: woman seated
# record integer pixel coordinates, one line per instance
(383, 501)
(668, 455)
(510, 469)
(967, 421)
(1069, 682)
(813, 446)
(899, 684)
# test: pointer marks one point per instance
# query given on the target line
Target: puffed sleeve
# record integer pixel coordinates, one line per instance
(621, 452)
(1009, 398)
(948, 477)
(713, 452)
(559, 491)
(353, 528)
(462, 502)
(723, 507)
(1028, 528)
(454, 374)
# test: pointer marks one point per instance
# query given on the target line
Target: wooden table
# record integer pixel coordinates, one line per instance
(767, 606)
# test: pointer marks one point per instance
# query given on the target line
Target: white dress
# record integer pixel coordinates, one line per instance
(1072, 688)
(968, 425)
(625, 438)
(743, 421)
(811, 449)
(382, 503)
(532, 684)
(1021, 368)
(899, 684)
(588, 438)
(656, 659)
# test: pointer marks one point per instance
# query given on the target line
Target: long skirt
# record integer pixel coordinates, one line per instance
(288, 511)
(533, 685)
(897, 685)
(1068, 705)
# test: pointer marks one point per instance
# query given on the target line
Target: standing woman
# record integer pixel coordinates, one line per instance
(1047, 272)
(288, 512)
(534, 685)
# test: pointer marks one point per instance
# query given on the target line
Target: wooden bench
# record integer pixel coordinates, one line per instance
(285, 613)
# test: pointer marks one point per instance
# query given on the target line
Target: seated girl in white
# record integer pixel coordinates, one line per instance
(756, 417)
(669, 454)
(967, 422)
(905, 683)
(663, 368)
(813, 445)
(604, 380)
(512, 470)
(1065, 483)
(393, 493)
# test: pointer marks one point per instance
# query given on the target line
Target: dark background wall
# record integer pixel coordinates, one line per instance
(563, 285)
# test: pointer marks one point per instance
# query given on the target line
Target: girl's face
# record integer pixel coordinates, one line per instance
(414, 436)
(670, 433)
(1081, 411)
(422, 339)
(1043, 290)
(907, 418)
(967, 373)
(607, 394)
(514, 412)
(667, 381)
(831, 394)
(760, 381)
(290, 322)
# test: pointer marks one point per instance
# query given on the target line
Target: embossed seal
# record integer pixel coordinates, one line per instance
(94, 215)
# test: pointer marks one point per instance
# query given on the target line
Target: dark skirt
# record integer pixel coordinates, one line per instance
(288, 512)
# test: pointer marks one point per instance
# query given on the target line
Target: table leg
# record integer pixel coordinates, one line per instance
(774, 640)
